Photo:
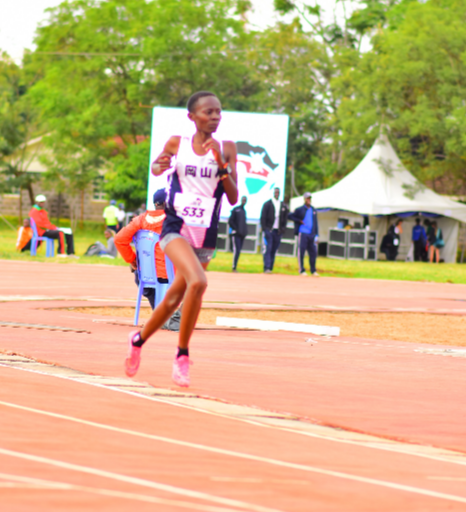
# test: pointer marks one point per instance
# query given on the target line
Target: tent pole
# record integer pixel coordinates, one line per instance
(464, 244)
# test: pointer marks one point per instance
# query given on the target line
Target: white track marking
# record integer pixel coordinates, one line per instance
(430, 453)
(24, 482)
(231, 453)
(139, 481)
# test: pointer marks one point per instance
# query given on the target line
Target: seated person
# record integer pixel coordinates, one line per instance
(99, 249)
(23, 242)
(151, 220)
(49, 230)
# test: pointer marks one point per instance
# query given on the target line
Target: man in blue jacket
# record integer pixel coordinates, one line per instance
(419, 239)
(307, 229)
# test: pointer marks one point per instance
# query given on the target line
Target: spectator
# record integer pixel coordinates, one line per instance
(121, 216)
(23, 242)
(274, 216)
(152, 220)
(391, 241)
(239, 227)
(307, 229)
(49, 230)
(141, 209)
(110, 215)
(436, 242)
(99, 249)
(419, 239)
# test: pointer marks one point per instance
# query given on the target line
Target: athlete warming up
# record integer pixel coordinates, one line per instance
(202, 169)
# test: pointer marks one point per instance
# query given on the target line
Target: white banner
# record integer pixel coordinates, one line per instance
(261, 141)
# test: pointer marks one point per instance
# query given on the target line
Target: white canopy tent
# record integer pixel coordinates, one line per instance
(381, 186)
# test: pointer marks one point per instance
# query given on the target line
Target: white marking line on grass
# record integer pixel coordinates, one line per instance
(139, 481)
(24, 482)
(256, 458)
(429, 452)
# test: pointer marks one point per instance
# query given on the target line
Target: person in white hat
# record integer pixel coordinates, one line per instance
(45, 228)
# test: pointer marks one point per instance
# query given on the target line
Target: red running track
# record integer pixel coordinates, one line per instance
(385, 389)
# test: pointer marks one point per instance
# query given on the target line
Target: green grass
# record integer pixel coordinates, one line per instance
(397, 270)
(83, 238)
(251, 263)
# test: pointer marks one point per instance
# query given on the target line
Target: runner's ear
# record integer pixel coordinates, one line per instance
(190, 116)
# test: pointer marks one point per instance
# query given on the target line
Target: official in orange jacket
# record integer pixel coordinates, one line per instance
(152, 220)
(49, 230)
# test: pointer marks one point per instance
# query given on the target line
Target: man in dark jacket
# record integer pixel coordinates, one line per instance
(239, 229)
(307, 229)
(274, 216)
(419, 239)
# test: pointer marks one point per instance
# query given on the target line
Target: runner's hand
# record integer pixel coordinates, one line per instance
(162, 163)
(215, 147)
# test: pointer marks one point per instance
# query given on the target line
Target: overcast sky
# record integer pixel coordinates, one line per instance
(20, 18)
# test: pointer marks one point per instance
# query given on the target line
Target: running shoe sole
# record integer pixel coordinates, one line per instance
(134, 357)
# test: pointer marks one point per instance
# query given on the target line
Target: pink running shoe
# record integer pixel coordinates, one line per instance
(134, 356)
(180, 373)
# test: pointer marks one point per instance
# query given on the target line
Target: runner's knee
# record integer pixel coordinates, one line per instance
(198, 285)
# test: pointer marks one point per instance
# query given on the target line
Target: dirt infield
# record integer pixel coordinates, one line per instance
(413, 327)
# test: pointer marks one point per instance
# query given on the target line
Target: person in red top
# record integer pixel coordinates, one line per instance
(45, 228)
(23, 243)
(152, 220)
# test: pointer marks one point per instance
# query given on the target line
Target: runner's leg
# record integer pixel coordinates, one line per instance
(190, 281)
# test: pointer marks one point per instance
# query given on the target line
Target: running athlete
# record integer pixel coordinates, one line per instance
(203, 169)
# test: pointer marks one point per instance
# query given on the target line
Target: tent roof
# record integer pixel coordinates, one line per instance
(381, 185)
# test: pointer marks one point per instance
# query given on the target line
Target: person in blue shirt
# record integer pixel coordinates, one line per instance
(307, 229)
(419, 239)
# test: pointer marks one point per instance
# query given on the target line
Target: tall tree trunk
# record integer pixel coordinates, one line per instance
(31, 193)
(81, 223)
(59, 201)
(20, 207)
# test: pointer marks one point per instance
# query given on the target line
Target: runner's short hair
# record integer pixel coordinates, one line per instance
(191, 105)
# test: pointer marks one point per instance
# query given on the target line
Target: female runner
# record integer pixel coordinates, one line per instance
(204, 169)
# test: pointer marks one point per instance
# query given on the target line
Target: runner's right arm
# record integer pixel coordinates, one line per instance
(163, 161)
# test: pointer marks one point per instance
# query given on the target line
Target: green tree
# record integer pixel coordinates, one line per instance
(18, 126)
(414, 81)
(127, 179)
(330, 77)
(103, 62)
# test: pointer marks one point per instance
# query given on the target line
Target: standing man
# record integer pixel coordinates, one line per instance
(111, 215)
(274, 216)
(45, 228)
(419, 239)
(239, 229)
(307, 229)
(121, 216)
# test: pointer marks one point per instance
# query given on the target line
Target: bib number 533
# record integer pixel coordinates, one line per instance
(195, 210)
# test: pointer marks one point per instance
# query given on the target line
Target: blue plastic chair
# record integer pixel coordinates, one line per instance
(144, 242)
(49, 248)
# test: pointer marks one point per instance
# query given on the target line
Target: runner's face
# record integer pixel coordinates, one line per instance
(207, 114)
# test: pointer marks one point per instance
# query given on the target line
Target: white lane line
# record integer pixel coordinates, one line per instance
(139, 481)
(377, 444)
(246, 456)
(24, 482)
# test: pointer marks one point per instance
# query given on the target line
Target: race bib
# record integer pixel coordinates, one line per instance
(193, 209)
